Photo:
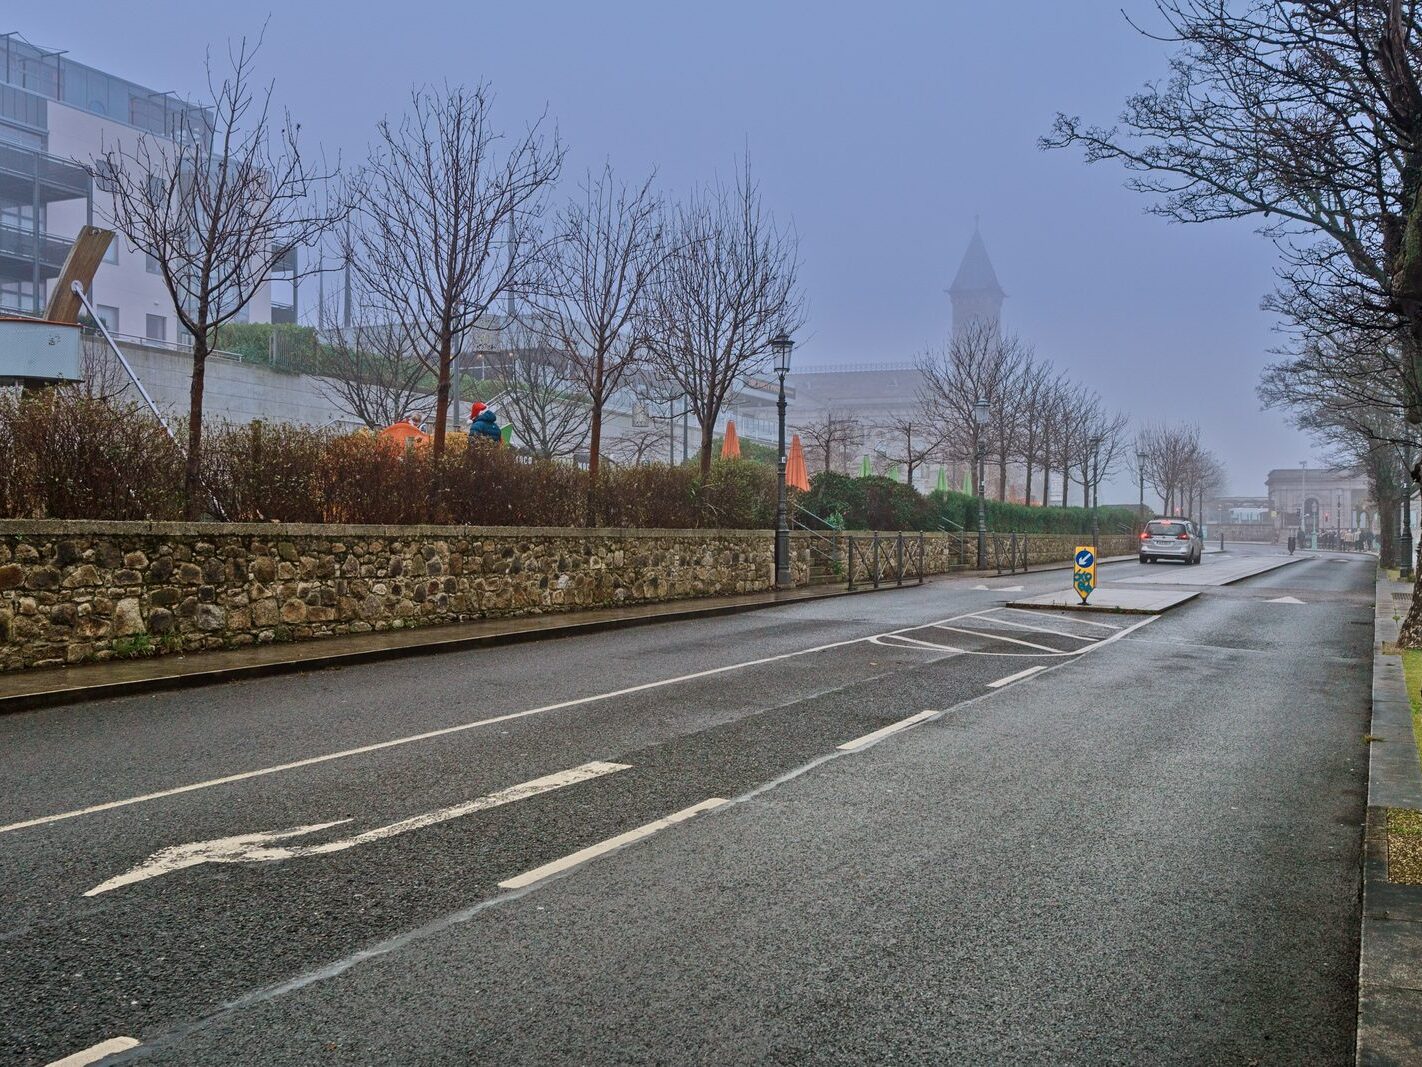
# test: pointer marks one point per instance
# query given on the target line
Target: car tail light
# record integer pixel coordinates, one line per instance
(1183, 537)
(1145, 535)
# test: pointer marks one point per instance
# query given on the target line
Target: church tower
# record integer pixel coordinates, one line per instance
(976, 294)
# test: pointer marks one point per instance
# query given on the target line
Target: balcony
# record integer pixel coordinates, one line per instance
(21, 169)
(21, 248)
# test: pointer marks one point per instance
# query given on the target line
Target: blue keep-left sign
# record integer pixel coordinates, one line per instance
(1083, 577)
(1085, 558)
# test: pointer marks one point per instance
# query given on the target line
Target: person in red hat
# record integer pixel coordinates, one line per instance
(483, 423)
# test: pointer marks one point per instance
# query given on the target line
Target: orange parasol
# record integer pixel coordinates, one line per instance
(404, 433)
(796, 477)
(731, 445)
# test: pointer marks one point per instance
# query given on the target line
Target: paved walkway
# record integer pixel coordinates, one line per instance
(22, 691)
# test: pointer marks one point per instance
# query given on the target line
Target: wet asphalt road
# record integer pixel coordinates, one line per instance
(1144, 853)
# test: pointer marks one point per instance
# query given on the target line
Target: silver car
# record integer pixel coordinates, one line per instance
(1171, 539)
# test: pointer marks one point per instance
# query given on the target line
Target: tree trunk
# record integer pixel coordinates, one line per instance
(594, 440)
(193, 499)
(446, 357)
(708, 430)
(1027, 481)
(1002, 475)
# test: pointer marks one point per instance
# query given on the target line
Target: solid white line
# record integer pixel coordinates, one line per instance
(581, 856)
(1035, 629)
(995, 637)
(1084, 622)
(97, 1052)
(892, 728)
(258, 847)
(893, 641)
(310, 761)
(1016, 677)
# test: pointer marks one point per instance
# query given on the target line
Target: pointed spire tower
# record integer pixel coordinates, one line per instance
(976, 294)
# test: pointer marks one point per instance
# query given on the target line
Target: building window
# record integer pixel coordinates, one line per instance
(150, 264)
(157, 328)
(108, 316)
(111, 253)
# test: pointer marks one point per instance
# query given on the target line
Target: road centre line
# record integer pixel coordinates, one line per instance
(94, 1053)
(1036, 629)
(994, 637)
(310, 761)
(892, 728)
(1035, 614)
(612, 844)
(1016, 677)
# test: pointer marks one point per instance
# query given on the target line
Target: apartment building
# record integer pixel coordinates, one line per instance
(55, 114)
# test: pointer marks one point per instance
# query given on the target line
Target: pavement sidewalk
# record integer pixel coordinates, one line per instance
(1390, 958)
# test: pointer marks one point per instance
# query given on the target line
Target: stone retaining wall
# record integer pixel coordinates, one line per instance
(73, 592)
(77, 591)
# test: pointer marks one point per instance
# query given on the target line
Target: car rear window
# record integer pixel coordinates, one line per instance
(1165, 529)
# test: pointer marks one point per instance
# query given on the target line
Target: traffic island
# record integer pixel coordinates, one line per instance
(1116, 601)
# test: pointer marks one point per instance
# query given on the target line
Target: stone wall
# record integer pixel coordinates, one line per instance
(946, 553)
(71, 592)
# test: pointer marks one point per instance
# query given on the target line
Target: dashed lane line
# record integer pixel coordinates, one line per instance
(892, 728)
(1016, 677)
(95, 1053)
(612, 844)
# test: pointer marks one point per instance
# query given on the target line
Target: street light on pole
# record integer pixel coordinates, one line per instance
(980, 416)
(1140, 473)
(780, 346)
(1096, 494)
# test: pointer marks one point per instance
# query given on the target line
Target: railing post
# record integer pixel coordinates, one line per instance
(920, 557)
(875, 568)
(849, 549)
(899, 560)
(1026, 557)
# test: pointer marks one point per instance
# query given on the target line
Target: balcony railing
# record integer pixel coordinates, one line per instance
(58, 178)
(19, 243)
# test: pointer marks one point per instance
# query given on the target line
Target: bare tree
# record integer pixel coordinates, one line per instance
(978, 362)
(445, 223)
(369, 374)
(1170, 451)
(727, 286)
(589, 299)
(911, 439)
(216, 206)
(830, 434)
(542, 396)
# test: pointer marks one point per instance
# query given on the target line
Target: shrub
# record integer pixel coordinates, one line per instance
(64, 455)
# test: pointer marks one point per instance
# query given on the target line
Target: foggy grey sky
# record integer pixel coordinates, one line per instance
(880, 136)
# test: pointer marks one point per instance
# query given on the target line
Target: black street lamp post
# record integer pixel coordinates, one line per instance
(980, 415)
(1140, 474)
(780, 346)
(1096, 494)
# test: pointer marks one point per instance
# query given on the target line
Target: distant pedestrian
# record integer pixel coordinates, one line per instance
(483, 423)
(1292, 542)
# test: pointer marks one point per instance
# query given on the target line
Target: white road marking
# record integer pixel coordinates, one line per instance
(575, 859)
(1000, 588)
(892, 728)
(994, 637)
(1287, 599)
(258, 847)
(987, 616)
(1016, 677)
(310, 761)
(95, 1053)
(1083, 622)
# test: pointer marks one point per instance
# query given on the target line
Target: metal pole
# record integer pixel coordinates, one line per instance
(1404, 563)
(1095, 501)
(78, 291)
(783, 579)
(982, 503)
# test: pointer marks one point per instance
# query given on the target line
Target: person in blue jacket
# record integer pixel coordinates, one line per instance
(484, 423)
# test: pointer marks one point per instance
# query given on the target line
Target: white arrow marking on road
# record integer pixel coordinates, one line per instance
(1284, 600)
(1000, 588)
(95, 1053)
(258, 848)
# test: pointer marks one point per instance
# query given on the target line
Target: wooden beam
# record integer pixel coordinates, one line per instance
(83, 261)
